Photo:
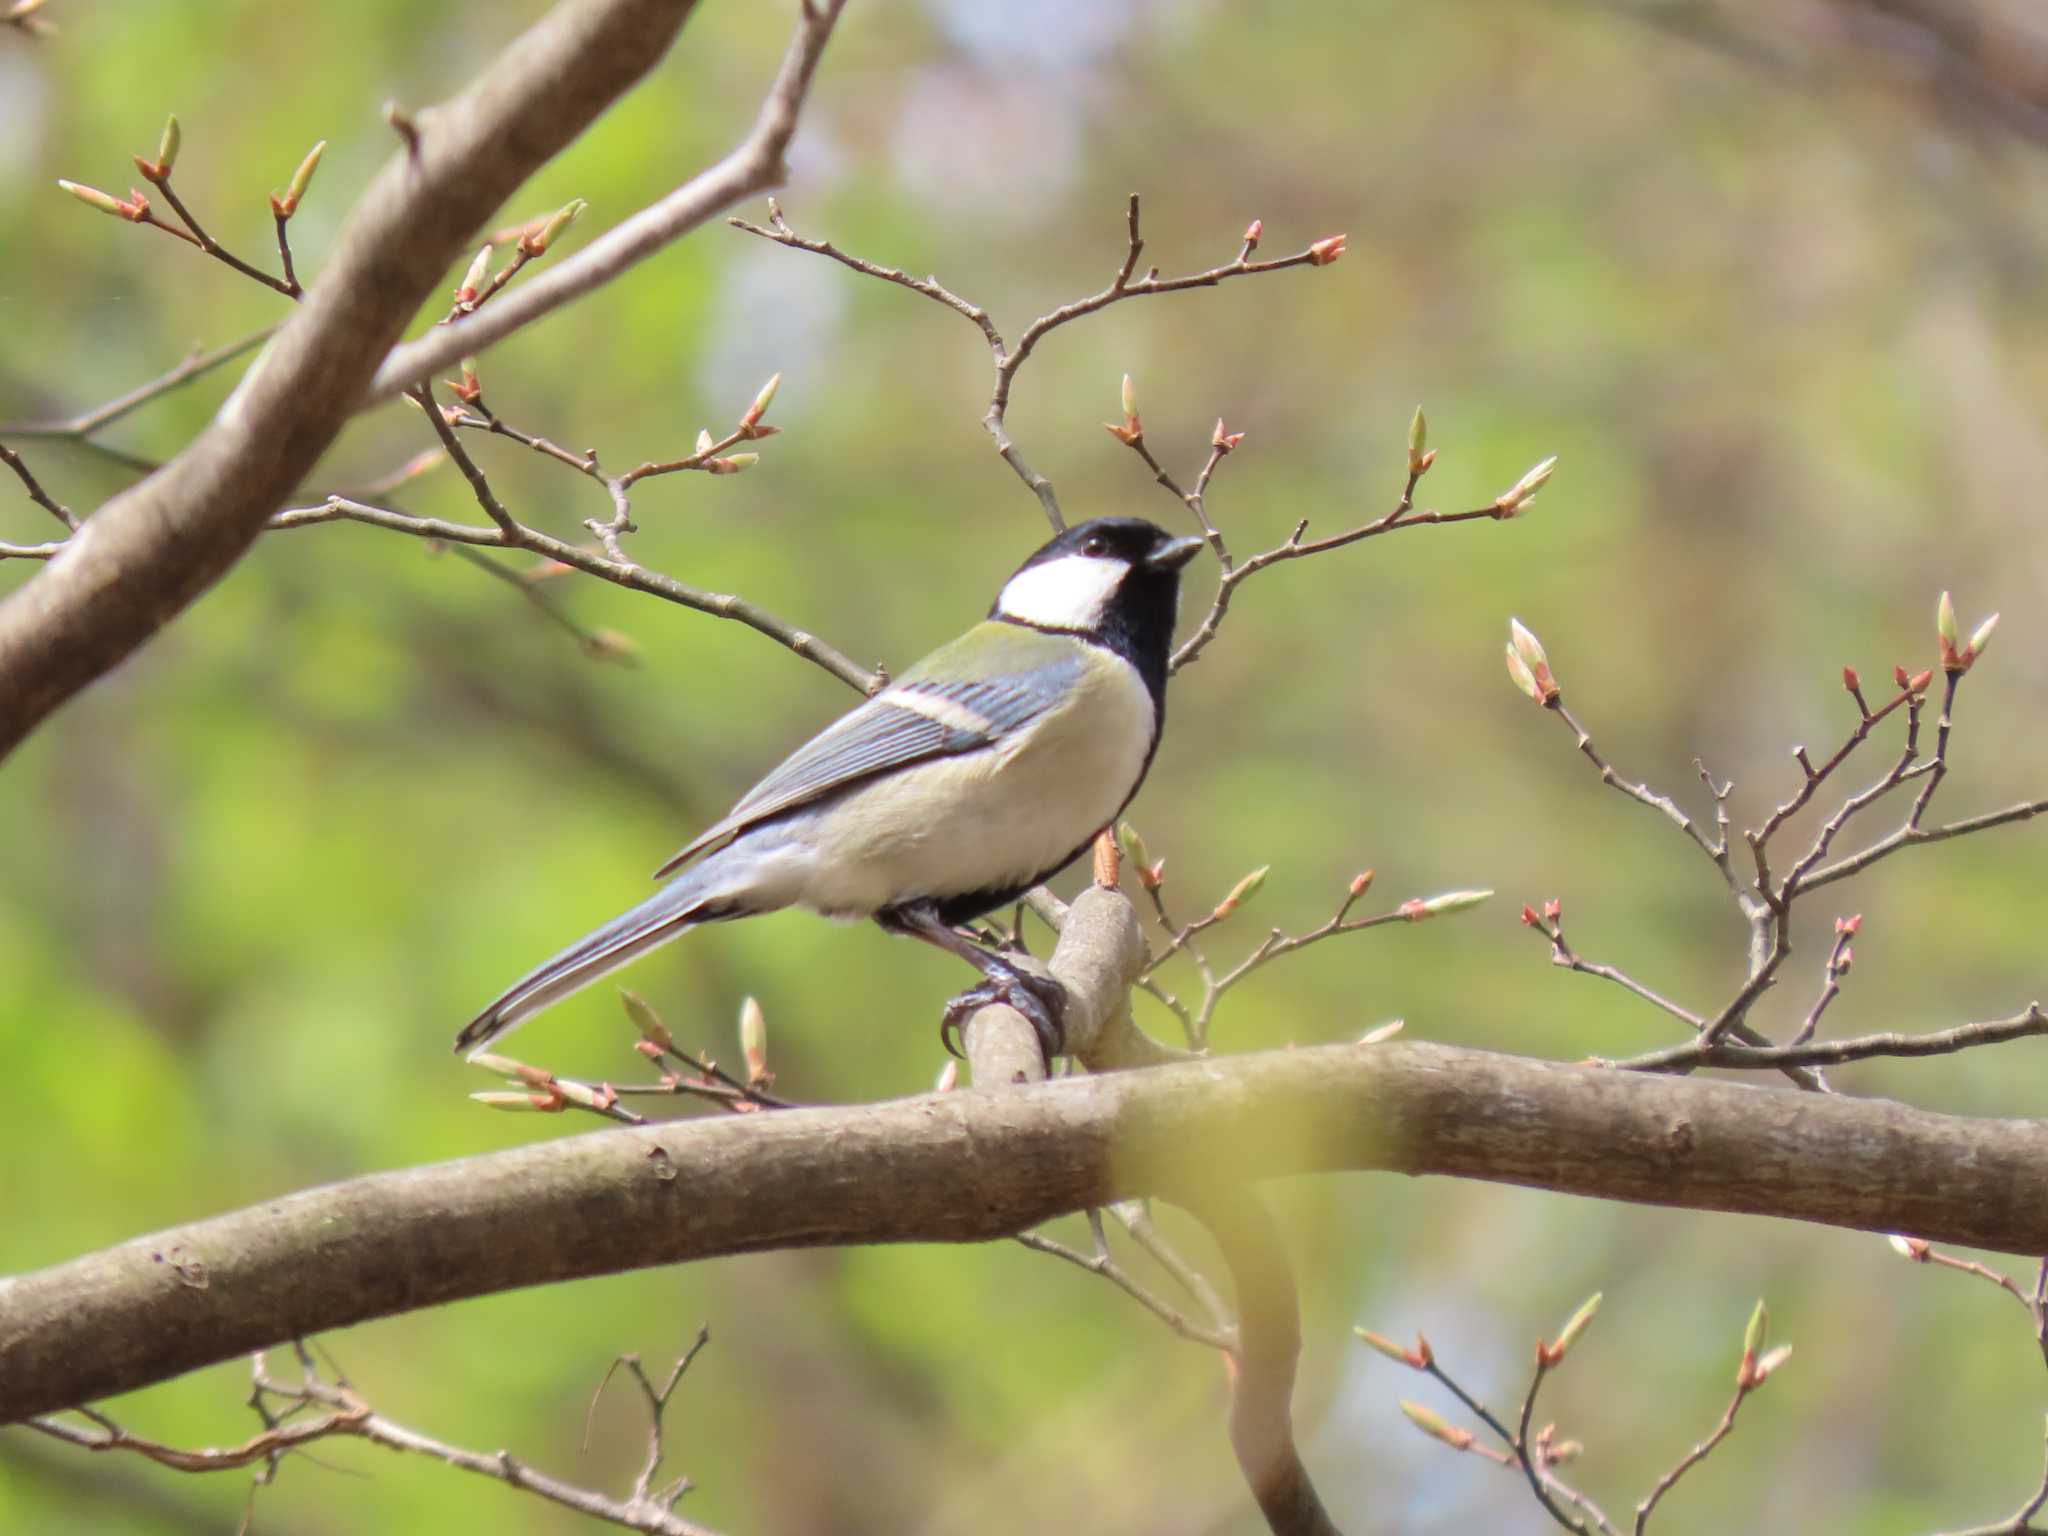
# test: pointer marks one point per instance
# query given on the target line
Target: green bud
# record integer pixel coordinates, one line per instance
(646, 1020)
(1758, 1330)
(301, 179)
(93, 197)
(1981, 636)
(754, 1040)
(1385, 1346)
(479, 269)
(759, 408)
(1526, 645)
(511, 1103)
(1243, 891)
(167, 146)
(1133, 845)
(1523, 678)
(551, 231)
(1945, 621)
(1512, 501)
(1576, 1326)
(1432, 1424)
(1418, 439)
(1454, 901)
(581, 1093)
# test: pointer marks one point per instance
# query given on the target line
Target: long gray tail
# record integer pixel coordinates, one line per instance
(666, 913)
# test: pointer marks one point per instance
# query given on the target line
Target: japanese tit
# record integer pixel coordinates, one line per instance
(984, 769)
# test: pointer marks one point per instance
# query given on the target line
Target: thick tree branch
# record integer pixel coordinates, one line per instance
(152, 550)
(945, 1168)
(755, 165)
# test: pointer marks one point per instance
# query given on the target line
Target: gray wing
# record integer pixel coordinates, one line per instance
(909, 723)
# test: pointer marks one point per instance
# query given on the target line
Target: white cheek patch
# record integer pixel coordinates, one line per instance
(1071, 592)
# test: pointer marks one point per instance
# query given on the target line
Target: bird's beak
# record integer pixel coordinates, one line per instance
(1171, 557)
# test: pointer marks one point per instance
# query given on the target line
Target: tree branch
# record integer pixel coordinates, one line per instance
(755, 165)
(155, 548)
(944, 1168)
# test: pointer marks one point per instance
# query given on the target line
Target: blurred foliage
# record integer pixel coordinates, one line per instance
(1786, 334)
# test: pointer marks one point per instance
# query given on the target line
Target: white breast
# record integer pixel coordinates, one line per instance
(984, 819)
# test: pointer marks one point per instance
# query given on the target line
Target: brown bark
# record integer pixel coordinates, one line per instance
(973, 1165)
(152, 550)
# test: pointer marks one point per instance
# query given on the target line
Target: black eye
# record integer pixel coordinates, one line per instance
(1095, 544)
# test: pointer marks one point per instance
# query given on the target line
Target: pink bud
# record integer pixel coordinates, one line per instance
(1327, 250)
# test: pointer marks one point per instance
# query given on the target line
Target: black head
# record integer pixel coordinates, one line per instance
(1114, 580)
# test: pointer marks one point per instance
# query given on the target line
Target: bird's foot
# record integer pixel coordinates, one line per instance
(1040, 999)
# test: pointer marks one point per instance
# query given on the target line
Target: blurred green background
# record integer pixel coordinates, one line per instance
(1774, 295)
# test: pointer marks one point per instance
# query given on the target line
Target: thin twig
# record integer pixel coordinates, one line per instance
(1106, 1266)
(1008, 358)
(1940, 1042)
(1693, 1457)
(2020, 1521)
(287, 285)
(85, 424)
(1296, 546)
(36, 493)
(1715, 848)
(754, 165)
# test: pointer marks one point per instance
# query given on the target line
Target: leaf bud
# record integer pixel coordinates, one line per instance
(1242, 892)
(93, 197)
(1432, 1424)
(1516, 498)
(288, 204)
(646, 1020)
(1575, 1326)
(1454, 901)
(1133, 844)
(538, 243)
(754, 1041)
(1326, 250)
(167, 145)
(1758, 1330)
(514, 1103)
(759, 408)
(473, 280)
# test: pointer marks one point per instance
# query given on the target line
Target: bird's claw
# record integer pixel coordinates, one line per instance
(1041, 1000)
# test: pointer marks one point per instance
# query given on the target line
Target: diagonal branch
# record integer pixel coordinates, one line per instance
(194, 366)
(945, 1168)
(753, 166)
(155, 548)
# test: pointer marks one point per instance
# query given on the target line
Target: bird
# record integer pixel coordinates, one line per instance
(983, 770)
